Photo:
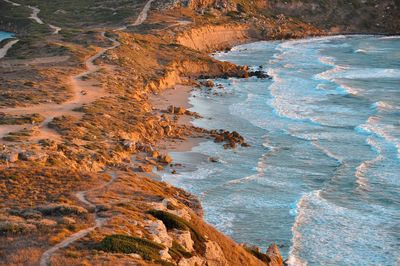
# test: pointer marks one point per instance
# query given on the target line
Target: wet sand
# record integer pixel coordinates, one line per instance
(178, 97)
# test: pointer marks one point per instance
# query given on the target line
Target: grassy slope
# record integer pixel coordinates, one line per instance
(372, 16)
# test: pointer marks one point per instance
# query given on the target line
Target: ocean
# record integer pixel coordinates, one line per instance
(322, 176)
(5, 35)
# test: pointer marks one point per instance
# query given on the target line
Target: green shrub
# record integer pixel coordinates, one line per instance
(62, 209)
(147, 249)
(8, 227)
(177, 252)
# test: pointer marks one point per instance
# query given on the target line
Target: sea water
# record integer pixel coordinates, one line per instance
(5, 35)
(322, 176)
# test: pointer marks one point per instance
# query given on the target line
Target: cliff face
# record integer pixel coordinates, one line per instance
(364, 16)
(207, 38)
(211, 38)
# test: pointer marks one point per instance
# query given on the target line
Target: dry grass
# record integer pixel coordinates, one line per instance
(21, 256)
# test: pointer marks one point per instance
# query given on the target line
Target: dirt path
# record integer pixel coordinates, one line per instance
(84, 91)
(12, 3)
(141, 18)
(56, 29)
(82, 196)
(34, 15)
(6, 47)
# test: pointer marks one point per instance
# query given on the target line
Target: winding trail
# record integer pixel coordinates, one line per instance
(12, 3)
(141, 18)
(84, 91)
(6, 47)
(82, 196)
(56, 29)
(34, 14)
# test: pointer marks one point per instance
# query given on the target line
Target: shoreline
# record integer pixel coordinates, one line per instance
(111, 137)
(167, 98)
(288, 40)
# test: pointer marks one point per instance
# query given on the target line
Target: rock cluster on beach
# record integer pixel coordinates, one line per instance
(233, 139)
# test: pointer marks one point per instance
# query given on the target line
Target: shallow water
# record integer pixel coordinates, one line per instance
(321, 178)
(5, 35)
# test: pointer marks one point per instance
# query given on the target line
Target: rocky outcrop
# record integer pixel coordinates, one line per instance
(275, 255)
(210, 38)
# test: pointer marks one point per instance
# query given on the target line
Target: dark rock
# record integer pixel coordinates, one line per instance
(259, 74)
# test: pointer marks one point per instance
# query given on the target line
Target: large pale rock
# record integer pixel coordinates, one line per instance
(164, 255)
(159, 232)
(183, 213)
(183, 238)
(193, 261)
(214, 255)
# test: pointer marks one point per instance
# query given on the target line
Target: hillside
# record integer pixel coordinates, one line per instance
(81, 133)
(339, 16)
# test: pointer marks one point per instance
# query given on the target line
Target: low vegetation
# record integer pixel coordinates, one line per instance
(147, 249)
(6, 119)
(177, 251)
(62, 209)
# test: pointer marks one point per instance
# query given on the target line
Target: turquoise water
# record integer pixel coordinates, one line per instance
(5, 35)
(322, 177)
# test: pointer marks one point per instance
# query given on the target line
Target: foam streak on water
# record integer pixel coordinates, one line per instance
(321, 177)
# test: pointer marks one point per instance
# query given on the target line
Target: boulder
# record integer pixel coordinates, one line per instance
(176, 110)
(145, 168)
(165, 159)
(164, 255)
(183, 238)
(214, 254)
(193, 261)
(259, 74)
(208, 83)
(159, 232)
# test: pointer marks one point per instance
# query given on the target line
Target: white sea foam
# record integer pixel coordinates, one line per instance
(350, 90)
(261, 166)
(389, 37)
(383, 106)
(327, 60)
(363, 168)
(295, 43)
(372, 126)
(327, 151)
(361, 51)
(331, 73)
(362, 73)
(297, 242)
